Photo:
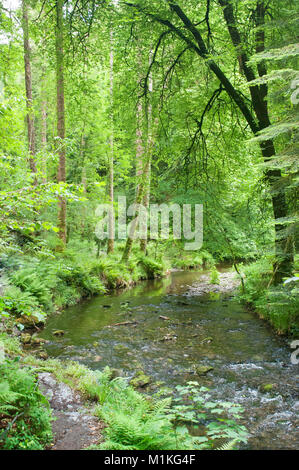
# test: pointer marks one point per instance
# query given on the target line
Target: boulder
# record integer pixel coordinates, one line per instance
(26, 338)
(140, 380)
(203, 370)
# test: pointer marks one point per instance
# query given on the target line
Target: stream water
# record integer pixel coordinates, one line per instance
(202, 329)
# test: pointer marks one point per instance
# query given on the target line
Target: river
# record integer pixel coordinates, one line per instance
(197, 329)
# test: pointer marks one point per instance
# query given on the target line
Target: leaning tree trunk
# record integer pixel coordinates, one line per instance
(110, 246)
(61, 174)
(28, 85)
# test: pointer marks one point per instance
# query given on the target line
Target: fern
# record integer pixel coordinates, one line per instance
(26, 410)
(230, 445)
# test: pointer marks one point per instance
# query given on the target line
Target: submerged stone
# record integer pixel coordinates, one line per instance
(38, 341)
(115, 373)
(58, 333)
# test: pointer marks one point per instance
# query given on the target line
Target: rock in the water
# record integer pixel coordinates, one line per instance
(203, 370)
(43, 355)
(58, 333)
(26, 338)
(265, 388)
(37, 341)
(29, 321)
(140, 380)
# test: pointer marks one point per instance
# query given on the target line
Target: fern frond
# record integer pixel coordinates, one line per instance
(230, 445)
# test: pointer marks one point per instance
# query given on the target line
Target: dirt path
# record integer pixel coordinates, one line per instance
(74, 427)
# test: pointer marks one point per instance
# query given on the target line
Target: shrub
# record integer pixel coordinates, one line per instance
(152, 268)
(214, 276)
(277, 304)
(20, 303)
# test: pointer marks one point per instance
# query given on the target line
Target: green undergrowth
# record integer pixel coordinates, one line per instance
(278, 304)
(139, 422)
(133, 420)
(40, 282)
(25, 414)
(174, 254)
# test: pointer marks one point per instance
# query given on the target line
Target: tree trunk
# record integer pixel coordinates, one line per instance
(28, 85)
(111, 228)
(44, 128)
(139, 198)
(61, 174)
(149, 149)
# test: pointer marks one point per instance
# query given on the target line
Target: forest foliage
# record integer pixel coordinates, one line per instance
(162, 101)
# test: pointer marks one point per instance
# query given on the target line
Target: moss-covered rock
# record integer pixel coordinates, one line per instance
(266, 388)
(140, 380)
(58, 333)
(26, 338)
(43, 355)
(203, 370)
(37, 341)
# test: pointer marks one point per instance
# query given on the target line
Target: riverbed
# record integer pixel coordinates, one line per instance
(168, 328)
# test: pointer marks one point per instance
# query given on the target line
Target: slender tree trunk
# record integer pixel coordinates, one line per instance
(83, 178)
(140, 169)
(139, 198)
(143, 167)
(149, 149)
(61, 174)
(139, 143)
(44, 128)
(28, 84)
(111, 228)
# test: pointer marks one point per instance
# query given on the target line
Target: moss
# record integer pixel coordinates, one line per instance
(267, 388)
(140, 380)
